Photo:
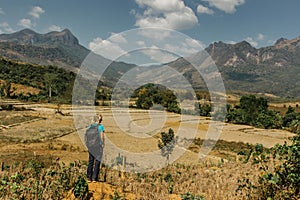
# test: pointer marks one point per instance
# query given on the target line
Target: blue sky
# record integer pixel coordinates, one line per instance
(260, 22)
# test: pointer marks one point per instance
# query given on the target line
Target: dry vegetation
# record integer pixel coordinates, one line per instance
(42, 135)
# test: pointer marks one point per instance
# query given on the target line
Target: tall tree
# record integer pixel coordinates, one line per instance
(50, 79)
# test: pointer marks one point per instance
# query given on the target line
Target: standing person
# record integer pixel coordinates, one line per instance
(94, 139)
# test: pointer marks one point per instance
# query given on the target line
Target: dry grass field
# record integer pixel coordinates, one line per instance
(41, 132)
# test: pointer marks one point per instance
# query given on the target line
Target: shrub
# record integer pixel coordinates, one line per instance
(279, 172)
(81, 188)
(189, 196)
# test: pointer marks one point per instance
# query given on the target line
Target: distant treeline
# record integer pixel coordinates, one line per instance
(255, 112)
(54, 83)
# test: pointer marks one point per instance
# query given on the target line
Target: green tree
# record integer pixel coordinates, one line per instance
(2, 90)
(204, 110)
(7, 89)
(254, 111)
(167, 143)
(151, 94)
(289, 117)
(50, 80)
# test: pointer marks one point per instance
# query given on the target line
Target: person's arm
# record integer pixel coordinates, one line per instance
(102, 136)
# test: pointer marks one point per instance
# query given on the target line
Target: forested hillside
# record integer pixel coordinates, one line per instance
(54, 83)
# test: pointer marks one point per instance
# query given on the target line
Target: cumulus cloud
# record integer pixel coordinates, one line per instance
(106, 48)
(252, 41)
(204, 10)
(228, 6)
(55, 28)
(36, 12)
(159, 55)
(1, 12)
(259, 40)
(188, 47)
(5, 27)
(141, 43)
(117, 38)
(230, 42)
(170, 52)
(26, 23)
(156, 34)
(260, 36)
(173, 14)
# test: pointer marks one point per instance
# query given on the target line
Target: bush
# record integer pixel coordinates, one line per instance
(189, 196)
(36, 179)
(81, 188)
(279, 172)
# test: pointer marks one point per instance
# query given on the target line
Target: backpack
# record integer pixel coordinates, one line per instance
(92, 137)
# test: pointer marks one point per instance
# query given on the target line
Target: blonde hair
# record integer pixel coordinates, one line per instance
(97, 119)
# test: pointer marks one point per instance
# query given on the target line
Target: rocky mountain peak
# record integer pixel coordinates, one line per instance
(64, 37)
(28, 36)
(280, 41)
(244, 45)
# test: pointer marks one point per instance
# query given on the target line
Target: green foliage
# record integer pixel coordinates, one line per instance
(168, 178)
(59, 80)
(167, 143)
(268, 119)
(254, 111)
(103, 94)
(116, 196)
(249, 109)
(150, 95)
(279, 172)
(36, 179)
(291, 120)
(189, 196)
(203, 110)
(81, 188)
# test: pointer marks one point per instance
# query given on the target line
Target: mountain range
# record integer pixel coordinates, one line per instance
(273, 69)
(53, 48)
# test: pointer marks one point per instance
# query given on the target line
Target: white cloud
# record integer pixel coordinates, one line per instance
(161, 6)
(204, 10)
(55, 28)
(141, 43)
(170, 52)
(106, 48)
(36, 12)
(1, 12)
(173, 14)
(5, 27)
(228, 6)
(252, 41)
(230, 42)
(188, 47)
(26, 23)
(260, 36)
(194, 44)
(117, 38)
(159, 55)
(271, 42)
(155, 34)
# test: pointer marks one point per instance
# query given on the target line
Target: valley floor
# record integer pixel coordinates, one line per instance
(40, 131)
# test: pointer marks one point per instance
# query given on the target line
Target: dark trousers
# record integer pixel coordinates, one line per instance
(93, 167)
